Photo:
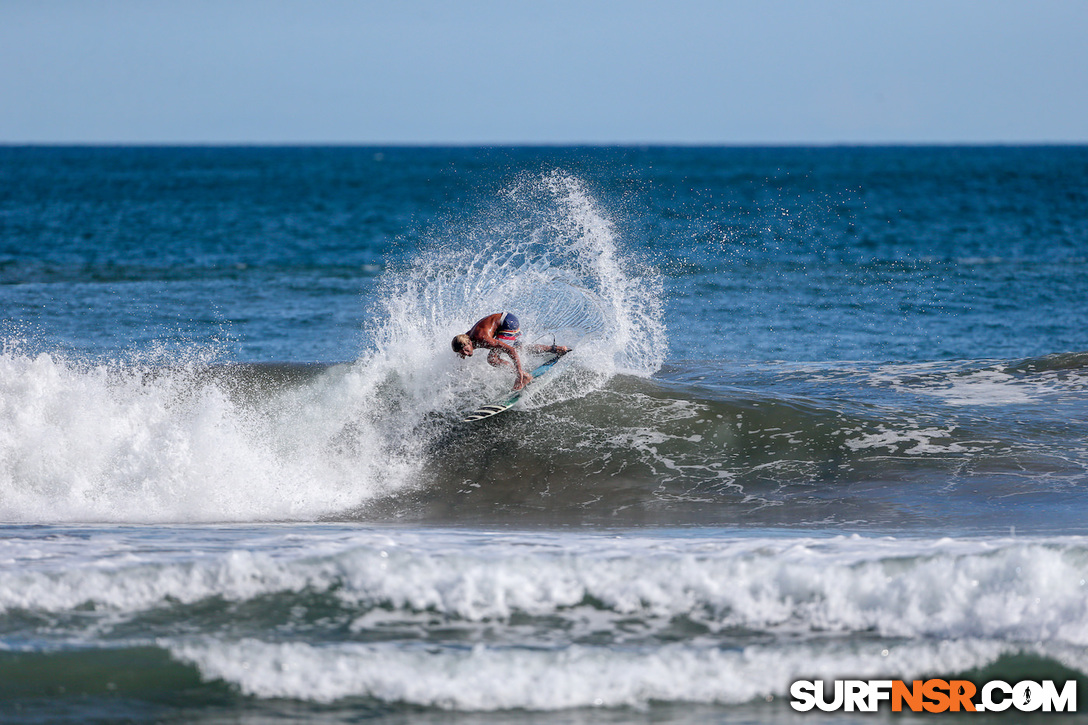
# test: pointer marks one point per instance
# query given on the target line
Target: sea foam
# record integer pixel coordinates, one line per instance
(152, 439)
(1014, 590)
(487, 621)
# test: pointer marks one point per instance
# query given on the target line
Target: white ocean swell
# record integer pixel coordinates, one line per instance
(1006, 590)
(484, 678)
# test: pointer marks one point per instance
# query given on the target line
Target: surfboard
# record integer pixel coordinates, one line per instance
(491, 409)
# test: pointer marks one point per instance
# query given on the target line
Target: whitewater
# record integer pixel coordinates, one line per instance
(148, 439)
(825, 419)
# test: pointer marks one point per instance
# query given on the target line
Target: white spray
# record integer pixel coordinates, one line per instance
(142, 442)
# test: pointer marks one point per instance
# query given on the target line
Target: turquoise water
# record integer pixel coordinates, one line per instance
(826, 417)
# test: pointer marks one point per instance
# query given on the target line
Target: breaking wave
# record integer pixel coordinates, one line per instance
(156, 439)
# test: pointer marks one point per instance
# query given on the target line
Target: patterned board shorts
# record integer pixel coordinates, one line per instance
(509, 330)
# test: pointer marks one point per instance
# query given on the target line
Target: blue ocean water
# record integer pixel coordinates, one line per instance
(826, 417)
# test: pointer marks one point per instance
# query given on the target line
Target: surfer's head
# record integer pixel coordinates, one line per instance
(462, 345)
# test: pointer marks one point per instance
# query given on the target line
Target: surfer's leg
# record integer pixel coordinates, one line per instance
(550, 349)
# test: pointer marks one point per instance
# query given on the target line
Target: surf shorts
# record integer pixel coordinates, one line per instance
(509, 330)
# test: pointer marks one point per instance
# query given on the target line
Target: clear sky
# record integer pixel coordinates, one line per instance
(543, 71)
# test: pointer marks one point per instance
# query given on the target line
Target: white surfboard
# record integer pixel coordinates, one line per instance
(498, 406)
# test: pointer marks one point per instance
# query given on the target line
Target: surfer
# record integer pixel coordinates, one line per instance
(501, 332)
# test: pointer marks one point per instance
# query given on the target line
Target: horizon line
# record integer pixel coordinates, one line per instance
(537, 144)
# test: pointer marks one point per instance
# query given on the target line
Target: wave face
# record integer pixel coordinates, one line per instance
(954, 447)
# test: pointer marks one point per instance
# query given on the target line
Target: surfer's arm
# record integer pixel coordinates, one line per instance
(523, 377)
(498, 346)
(509, 350)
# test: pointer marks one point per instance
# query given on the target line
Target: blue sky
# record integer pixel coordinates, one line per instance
(585, 71)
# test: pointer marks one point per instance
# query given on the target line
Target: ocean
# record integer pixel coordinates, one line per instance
(826, 418)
